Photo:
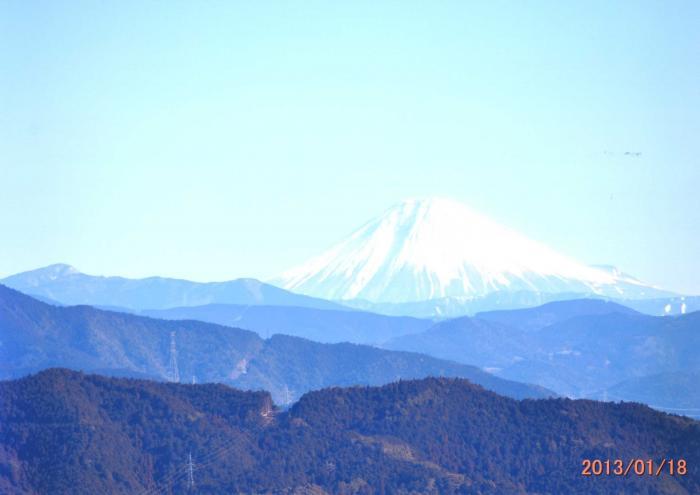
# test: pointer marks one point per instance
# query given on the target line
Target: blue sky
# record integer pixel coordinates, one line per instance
(213, 140)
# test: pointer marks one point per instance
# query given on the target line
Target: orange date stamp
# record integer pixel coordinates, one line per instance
(633, 467)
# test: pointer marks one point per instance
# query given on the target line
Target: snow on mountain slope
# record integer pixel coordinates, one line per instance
(436, 248)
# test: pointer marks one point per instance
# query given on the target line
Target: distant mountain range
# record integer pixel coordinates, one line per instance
(509, 343)
(577, 348)
(35, 336)
(320, 325)
(537, 345)
(438, 249)
(539, 317)
(665, 306)
(66, 433)
(66, 285)
(453, 307)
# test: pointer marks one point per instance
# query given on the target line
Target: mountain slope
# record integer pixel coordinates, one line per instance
(436, 248)
(37, 336)
(575, 348)
(487, 344)
(320, 325)
(586, 353)
(63, 432)
(67, 285)
(555, 312)
(676, 392)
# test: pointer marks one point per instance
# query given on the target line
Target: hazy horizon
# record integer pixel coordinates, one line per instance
(219, 141)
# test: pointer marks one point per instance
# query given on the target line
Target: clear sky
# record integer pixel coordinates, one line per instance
(214, 140)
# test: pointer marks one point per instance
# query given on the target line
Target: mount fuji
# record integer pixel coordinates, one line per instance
(430, 249)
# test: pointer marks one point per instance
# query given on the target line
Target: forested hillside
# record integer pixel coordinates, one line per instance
(63, 432)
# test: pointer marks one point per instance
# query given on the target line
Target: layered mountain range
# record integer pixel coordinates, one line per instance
(423, 258)
(35, 336)
(579, 348)
(429, 289)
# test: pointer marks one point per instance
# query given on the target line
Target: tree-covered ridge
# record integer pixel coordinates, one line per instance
(64, 432)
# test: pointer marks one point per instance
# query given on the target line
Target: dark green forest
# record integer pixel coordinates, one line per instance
(65, 432)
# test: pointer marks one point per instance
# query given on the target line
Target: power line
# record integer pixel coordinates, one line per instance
(167, 481)
(174, 370)
(190, 473)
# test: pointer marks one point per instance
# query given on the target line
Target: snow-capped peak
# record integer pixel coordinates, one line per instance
(431, 248)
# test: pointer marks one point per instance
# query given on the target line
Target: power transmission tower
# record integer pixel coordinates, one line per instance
(190, 473)
(174, 370)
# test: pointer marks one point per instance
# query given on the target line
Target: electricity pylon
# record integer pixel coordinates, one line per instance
(174, 371)
(190, 473)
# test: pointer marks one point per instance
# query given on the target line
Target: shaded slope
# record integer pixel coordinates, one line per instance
(309, 323)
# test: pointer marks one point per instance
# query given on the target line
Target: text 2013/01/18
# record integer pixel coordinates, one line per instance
(636, 467)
